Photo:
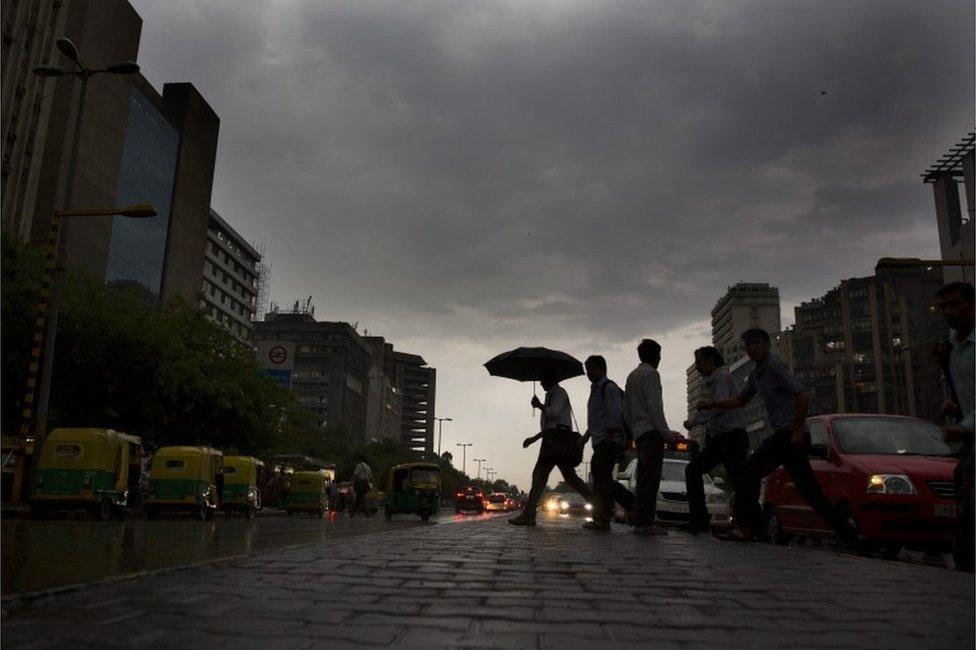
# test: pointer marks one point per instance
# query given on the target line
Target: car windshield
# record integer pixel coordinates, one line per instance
(673, 471)
(889, 436)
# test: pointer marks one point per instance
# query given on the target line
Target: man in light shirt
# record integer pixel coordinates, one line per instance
(644, 415)
(558, 446)
(362, 477)
(726, 440)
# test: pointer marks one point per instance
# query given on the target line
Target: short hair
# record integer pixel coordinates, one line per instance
(965, 289)
(596, 361)
(548, 374)
(755, 334)
(649, 349)
(711, 352)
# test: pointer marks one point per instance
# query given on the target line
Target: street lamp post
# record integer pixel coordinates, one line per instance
(464, 456)
(48, 319)
(440, 427)
(479, 461)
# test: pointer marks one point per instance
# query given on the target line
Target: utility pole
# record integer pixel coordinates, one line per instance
(464, 456)
(440, 430)
(479, 461)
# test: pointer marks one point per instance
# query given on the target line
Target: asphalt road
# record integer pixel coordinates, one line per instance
(44, 554)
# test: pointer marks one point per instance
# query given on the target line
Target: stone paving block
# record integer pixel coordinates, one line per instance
(433, 638)
(331, 637)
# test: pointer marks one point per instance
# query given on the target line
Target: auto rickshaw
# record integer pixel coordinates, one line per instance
(94, 469)
(413, 488)
(185, 478)
(240, 493)
(308, 491)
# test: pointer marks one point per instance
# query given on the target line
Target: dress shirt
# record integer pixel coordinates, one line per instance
(556, 411)
(643, 403)
(720, 387)
(604, 412)
(962, 366)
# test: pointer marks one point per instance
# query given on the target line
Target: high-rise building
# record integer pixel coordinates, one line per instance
(331, 368)
(230, 278)
(135, 146)
(956, 233)
(417, 384)
(864, 346)
(384, 402)
(744, 306)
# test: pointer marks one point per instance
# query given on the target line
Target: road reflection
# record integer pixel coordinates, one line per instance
(44, 554)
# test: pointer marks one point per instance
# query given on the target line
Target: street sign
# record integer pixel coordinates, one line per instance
(277, 360)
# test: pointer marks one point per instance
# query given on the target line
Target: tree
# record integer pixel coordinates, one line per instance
(448, 457)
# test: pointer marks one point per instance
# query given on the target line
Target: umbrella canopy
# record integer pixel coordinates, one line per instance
(525, 364)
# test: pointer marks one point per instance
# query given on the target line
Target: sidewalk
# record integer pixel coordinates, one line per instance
(487, 584)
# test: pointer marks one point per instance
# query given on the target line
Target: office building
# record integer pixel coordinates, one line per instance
(864, 346)
(135, 146)
(331, 367)
(384, 402)
(229, 287)
(417, 384)
(956, 234)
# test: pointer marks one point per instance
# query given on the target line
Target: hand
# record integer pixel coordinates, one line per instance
(528, 442)
(956, 433)
(798, 440)
(705, 406)
(536, 403)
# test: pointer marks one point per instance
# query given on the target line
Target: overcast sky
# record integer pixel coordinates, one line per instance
(467, 177)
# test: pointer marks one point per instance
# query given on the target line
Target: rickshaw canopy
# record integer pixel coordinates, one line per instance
(84, 448)
(413, 474)
(241, 470)
(185, 462)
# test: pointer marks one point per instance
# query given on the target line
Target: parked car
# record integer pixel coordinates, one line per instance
(891, 476)
(469, 499)
(672, 495)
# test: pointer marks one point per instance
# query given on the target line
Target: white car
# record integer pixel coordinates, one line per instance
(672, 495)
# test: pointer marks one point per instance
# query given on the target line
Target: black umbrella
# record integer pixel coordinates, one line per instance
(525, 364)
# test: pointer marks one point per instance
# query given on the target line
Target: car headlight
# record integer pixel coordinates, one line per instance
(552, 504)
(890, 484)
(563, 505)
(588, 507)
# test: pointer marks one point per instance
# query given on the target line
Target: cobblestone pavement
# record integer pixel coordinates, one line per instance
(487, 584)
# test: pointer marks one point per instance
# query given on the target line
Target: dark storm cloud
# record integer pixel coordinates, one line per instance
(499, 165)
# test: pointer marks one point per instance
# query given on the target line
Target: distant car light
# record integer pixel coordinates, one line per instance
(588, 507)
(890, 484)
(552, 505)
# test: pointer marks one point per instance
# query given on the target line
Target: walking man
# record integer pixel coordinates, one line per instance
(786, 408)
(559, 446)
(604, 424)
(726, 440)
(956, 301)
(644, 413)
(362, 477)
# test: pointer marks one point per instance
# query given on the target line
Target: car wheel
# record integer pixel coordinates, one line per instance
(774, 530)
(891, 551)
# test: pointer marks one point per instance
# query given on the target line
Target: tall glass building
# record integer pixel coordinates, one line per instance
(137, 249)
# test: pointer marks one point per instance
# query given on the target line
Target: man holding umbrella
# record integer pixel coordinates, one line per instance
(559, 445)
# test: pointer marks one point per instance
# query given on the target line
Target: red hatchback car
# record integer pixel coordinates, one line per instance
(891, 475)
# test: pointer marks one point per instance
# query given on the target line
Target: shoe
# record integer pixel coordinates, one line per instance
(649, 530)
(595, 525)
(522, 520)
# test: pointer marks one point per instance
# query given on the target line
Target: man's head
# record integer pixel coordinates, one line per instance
(548, 378)
(649, 351)
(956, 304)
(707, 359)
(596, 368)
(757, 343)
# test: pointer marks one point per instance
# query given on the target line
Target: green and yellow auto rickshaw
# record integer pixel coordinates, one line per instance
(185, 478)
(240, 492)
(94, 469)
(413, 488)
(307, 491)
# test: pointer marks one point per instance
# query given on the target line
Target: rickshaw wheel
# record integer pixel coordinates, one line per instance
(103, 511)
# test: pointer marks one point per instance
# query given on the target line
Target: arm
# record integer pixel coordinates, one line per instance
(736, 402)
(528, 442)
(655, 403)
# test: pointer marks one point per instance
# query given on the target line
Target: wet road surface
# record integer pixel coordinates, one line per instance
(45, 554)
